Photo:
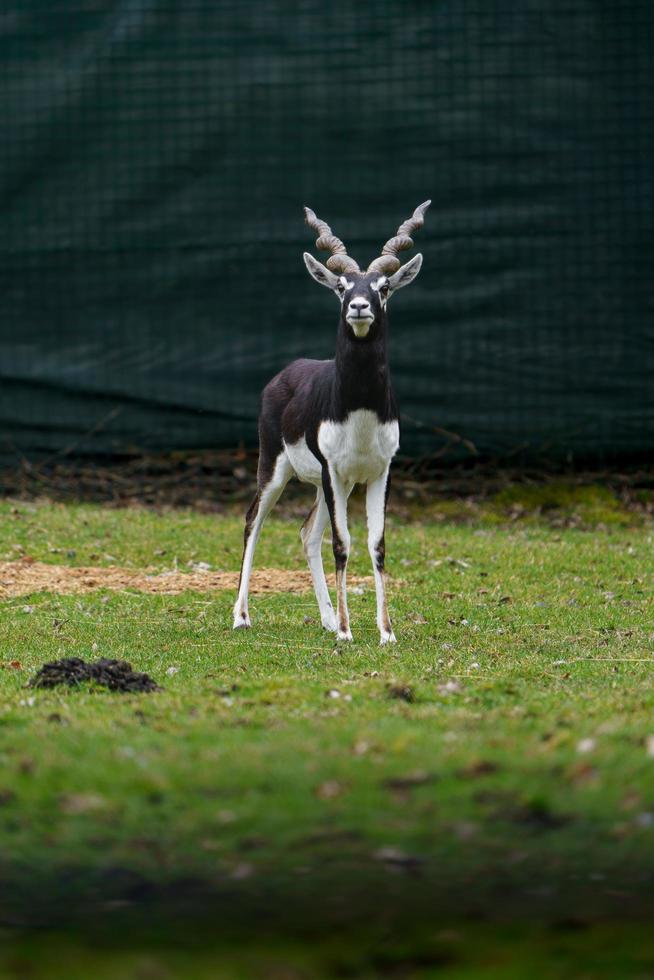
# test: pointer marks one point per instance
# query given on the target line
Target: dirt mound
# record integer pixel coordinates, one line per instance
(117, 675)
(27, 576)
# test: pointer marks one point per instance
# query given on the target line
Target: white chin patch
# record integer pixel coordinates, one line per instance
(360, 329)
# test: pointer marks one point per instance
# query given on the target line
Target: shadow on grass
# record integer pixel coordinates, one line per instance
(355, 924)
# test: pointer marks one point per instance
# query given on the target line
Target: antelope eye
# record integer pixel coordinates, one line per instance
(341, 288)
(384, 289)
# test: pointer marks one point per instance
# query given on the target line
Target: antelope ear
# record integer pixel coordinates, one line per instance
(406, 273)
(319, 272)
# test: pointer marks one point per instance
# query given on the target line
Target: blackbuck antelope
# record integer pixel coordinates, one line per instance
(335, 423)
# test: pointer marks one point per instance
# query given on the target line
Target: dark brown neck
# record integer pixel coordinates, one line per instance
(362, 377)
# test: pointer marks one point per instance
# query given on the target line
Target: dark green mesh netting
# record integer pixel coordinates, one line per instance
(156, 155)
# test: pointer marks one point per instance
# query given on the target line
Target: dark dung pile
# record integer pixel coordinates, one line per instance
(117, 675)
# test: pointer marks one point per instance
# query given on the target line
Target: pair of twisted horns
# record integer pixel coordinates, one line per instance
(386, 264)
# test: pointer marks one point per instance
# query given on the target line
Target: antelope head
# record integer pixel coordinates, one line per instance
(363, 295)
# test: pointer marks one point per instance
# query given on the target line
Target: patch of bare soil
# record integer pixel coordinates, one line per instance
(24, 577)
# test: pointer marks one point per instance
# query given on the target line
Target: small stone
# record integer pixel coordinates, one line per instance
(329, 790)
(242, 871)
(449, 687)
(199, 566)
(76, 803)
(395, 858)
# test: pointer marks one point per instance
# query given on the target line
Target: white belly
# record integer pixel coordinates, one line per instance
(359, 449)
(305, 465)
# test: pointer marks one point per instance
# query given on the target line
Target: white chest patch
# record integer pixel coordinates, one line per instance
(361, 447)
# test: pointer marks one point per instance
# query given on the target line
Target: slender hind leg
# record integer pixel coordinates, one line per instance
(267, 496)
(312, 532)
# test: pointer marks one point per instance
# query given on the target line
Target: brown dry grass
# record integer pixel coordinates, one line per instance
(27, 576)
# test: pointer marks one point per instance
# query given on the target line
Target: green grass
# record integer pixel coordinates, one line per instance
(459, 951)
(277, 779)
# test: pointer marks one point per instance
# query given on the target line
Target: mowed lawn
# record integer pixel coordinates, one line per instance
(496, 766)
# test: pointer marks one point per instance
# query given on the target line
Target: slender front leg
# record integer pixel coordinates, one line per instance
(376, 497)
(336, 494)
(312, 533)
(266, 498)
